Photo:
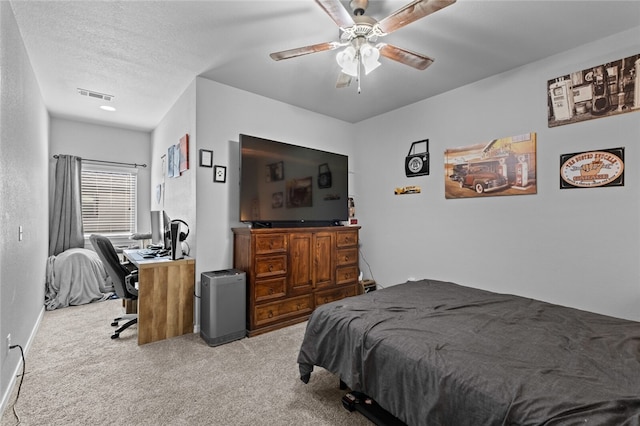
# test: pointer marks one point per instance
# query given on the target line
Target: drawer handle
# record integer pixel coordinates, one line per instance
(326, 300)
(346, 258)
(270, 268)
(270, 291)
(298, 307)
(270, 314)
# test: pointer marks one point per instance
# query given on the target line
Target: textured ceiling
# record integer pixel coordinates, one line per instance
(146, 53)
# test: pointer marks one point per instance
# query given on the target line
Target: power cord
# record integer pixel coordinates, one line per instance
(369, 266)
(21, 380)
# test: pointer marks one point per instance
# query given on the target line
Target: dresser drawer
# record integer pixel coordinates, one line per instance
(348, 256)
(268, 266)
(347, 275)
(270, 289)
(347, 238)
(327, 296)
(272, 243)
(278, 311)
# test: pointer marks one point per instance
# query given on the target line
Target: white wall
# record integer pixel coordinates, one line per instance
(577, 247)
(222, 113)
(225, 112)
(96, 142)
(178, 197)
(24, 127)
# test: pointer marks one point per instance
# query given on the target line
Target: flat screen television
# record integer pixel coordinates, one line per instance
(289, 185)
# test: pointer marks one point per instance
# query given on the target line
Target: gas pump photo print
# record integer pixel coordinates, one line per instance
(600, 91)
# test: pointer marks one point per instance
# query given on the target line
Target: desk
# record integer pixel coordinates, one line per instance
(165, 296)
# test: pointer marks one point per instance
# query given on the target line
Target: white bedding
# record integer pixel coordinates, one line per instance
(76, 277)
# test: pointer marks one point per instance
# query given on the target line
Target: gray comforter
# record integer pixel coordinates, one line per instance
(76, 277)
(437, 353)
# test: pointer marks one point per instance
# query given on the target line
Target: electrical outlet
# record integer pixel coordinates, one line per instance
(8, 343)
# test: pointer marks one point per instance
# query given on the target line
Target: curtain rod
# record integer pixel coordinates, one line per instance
(109, 162)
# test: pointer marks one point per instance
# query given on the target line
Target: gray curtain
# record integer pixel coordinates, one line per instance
(65, 223)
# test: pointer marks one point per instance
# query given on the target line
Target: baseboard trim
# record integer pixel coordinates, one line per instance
(6, 397)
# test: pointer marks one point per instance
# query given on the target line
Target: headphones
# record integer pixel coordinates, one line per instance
(183, 236)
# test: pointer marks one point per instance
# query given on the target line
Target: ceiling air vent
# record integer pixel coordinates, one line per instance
(96, 95)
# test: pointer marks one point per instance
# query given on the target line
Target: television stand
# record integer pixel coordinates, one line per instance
(291, 271)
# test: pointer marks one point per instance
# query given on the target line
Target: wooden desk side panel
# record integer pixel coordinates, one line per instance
(180, 296)
(165, 300)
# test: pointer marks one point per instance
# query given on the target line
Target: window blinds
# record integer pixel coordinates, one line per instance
(108, 202)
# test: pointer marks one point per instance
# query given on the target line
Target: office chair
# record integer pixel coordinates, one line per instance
(123, 279)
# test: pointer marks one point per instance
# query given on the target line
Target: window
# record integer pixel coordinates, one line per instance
(109, 202)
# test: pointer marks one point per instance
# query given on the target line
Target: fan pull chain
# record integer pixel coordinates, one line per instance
(359, 66)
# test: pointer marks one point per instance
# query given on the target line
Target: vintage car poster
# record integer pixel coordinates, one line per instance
(505, 166)
(592, 169)
(600, 91)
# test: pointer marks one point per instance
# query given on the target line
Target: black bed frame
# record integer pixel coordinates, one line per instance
(357, 401)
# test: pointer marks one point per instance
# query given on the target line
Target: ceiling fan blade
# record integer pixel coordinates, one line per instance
(411, 12)
(407, 57)
(292, 53)
(344, 80)
(337, 12)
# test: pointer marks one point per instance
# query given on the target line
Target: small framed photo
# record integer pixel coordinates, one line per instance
(219, 174)
(206, 158)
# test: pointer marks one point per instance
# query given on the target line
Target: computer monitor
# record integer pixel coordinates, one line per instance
(166, 223)
(156, 228)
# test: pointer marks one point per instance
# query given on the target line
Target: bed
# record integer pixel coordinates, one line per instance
(76, 277)
(438, 353)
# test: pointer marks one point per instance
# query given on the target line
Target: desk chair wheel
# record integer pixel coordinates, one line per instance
(117, 320)
(132, 321)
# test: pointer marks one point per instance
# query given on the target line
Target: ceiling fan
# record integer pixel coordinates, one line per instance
(359, 34)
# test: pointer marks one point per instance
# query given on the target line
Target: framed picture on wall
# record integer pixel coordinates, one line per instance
(173, 161)
(206, 158)
(183, 147)
(592, 169)
(219, 174)
(601, 90)
(503, 166)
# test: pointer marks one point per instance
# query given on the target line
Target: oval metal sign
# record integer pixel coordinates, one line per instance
(592, 169)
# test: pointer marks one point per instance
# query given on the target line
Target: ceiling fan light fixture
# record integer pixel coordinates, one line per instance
(369, 56)
(360, 32)
(348, 61)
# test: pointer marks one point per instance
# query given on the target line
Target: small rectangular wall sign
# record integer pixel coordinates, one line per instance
(592, 169)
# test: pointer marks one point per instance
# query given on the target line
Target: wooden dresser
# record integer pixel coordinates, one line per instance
(290, 271)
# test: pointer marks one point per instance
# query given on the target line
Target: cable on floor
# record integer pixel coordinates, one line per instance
(21, 380)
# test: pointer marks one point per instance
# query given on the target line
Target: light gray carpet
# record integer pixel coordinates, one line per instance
(77, 375)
